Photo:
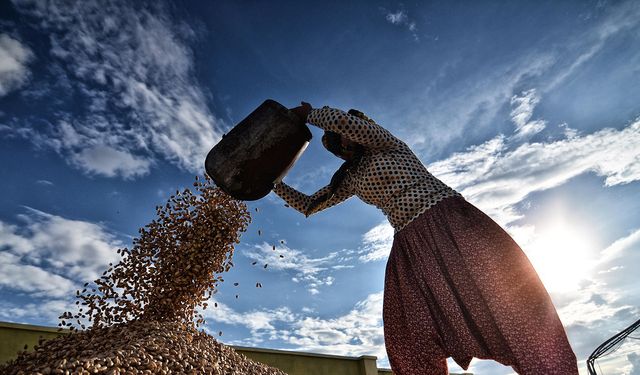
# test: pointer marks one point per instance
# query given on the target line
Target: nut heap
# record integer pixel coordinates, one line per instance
(142, 311)
(137, 347)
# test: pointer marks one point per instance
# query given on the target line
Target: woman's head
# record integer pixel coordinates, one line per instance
(341, 146)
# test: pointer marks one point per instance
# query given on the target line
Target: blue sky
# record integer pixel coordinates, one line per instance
(529, 109)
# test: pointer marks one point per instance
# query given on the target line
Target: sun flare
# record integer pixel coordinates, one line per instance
(562, 255)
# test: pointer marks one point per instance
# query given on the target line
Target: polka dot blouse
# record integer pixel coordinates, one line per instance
(389, 175)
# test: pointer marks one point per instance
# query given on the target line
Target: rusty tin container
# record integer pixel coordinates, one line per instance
(258, 151)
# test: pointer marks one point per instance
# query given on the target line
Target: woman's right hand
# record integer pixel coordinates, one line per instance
(303, 110)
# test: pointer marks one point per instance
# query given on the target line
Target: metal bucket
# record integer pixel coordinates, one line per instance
(258, 151)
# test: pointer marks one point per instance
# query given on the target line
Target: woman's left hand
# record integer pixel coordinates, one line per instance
(303, 110)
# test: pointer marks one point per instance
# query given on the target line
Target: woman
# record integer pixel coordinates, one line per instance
(456, 284)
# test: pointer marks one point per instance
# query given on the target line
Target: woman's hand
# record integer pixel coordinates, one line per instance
(302, 111)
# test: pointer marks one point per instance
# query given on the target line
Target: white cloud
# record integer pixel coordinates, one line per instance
(401, 18)
(261, 323)
(16, 275)
(110, 162)
(522, 112)
(358, 332)
(397, 18)
(586, 311)
(634, 358)
(313, 272)
(376, 243)
(465, 104)
(623, 17)
(43, 312)
(136, 73)
(14, 57)
(616, 249)
(568, 131)
(51, 249)
(44, 182)
(496, 178)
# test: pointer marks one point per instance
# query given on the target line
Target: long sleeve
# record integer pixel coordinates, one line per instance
(355, 129)
(301, 201)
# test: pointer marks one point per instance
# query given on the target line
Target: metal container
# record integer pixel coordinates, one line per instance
(258, 151)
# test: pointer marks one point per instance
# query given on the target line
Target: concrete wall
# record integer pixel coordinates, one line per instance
(294, 363)
(13, 338)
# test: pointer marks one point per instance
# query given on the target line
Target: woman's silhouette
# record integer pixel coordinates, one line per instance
(456, 284)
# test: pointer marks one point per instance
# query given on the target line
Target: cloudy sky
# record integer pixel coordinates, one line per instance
(529, 109)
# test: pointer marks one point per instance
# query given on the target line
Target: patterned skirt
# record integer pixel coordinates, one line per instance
(457, 285)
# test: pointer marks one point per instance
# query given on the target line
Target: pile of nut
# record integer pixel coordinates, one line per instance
(138, 347)
(141, 313)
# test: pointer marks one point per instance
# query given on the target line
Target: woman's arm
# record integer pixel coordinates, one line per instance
(355, 129)
(301, 201)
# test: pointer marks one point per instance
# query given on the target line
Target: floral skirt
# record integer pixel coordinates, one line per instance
(457, 285)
